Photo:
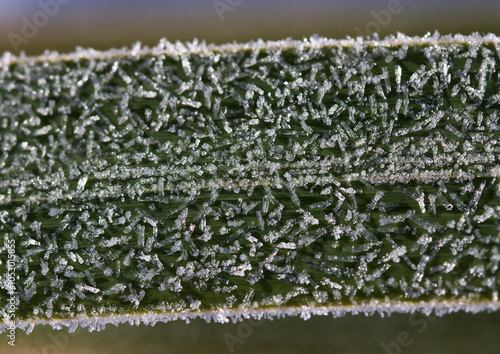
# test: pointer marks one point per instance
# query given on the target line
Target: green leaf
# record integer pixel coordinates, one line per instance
(264, 179)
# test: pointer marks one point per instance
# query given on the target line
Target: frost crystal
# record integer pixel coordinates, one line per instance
(307, 177)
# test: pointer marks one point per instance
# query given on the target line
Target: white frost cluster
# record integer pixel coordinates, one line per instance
(193, 180)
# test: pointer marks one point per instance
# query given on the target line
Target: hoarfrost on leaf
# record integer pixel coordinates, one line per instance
(181, 180)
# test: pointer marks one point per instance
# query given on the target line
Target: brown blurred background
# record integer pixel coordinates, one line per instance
(35, 25)
(458, 333)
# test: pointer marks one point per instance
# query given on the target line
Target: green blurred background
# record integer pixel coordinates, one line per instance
(33, 26)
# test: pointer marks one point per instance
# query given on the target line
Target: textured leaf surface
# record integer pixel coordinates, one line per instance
(287, 176)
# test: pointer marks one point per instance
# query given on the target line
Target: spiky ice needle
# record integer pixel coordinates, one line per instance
(261, 179)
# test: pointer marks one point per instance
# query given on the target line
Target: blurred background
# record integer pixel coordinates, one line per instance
(35, 25)
(459, 333)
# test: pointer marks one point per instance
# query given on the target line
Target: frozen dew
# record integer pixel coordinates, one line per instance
(190, 176)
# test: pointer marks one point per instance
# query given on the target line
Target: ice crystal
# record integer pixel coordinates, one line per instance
(257, 180)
